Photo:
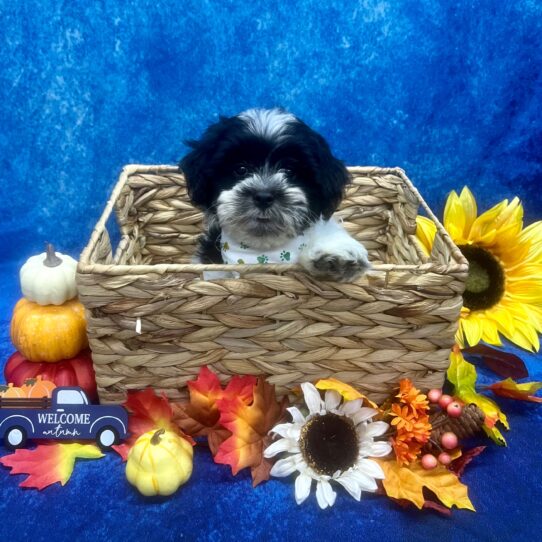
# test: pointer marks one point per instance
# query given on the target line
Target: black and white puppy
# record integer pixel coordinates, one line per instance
(269, 185)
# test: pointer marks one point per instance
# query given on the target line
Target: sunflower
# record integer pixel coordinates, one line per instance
(331, 444)
(503, 293)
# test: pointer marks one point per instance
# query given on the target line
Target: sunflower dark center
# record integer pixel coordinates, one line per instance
(329, 443)
(486, 280)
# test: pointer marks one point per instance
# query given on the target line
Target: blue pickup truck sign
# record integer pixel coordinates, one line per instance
(66, 416)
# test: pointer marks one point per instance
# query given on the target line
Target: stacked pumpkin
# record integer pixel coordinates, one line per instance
(48, 326)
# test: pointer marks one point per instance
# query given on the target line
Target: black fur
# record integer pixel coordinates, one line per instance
(208, 250)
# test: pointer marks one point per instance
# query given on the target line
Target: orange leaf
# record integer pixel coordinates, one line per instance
(48, 463)
(147, 411)
(511, 389)
(201, 416)
(408, 483)
(249, 426)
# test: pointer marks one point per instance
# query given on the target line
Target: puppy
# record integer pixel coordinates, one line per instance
(269, 185)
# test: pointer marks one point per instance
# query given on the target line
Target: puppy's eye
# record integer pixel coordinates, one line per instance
(241, 170)
(287, 171)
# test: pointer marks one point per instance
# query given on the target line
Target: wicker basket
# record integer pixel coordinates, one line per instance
(398, 321)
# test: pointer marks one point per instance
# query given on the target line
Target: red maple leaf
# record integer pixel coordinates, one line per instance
(249, 426)
(201, 416)
(458, 465)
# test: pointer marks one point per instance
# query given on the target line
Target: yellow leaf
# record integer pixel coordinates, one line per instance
(348, 392)
(462, 375)
(408, 483)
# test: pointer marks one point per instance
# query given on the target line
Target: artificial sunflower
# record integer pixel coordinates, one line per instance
(331, 444)
(503, 293)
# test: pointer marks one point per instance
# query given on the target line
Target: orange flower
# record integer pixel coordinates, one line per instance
(402, 417)
(411, 396)
(421, 430)
(405, 451)
(411, 420)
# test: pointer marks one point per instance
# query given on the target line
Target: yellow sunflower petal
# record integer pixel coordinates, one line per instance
(483, 230)
(472, 329)
(490, 333)
(502, 317)
(454, 217)
(509, 225)
(460, 337)
(526, 324)
(524, 338)
(525, 291)
(529, 271)
(470, 209)
(425, 232)
(535, 316)
(532, 237)
(511, 214)
(533, 231)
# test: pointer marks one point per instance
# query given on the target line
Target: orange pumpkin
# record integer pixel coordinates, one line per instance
(36, 387)
(12, 391)
(49, 332)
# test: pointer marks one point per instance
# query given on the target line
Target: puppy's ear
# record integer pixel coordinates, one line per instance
(195, 167)
(332, 176)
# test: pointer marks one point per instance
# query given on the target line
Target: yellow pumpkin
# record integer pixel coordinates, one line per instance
(49, 332)
(11, 391)
(159, 463)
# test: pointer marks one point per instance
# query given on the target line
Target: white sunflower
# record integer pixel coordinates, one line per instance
(331, 444)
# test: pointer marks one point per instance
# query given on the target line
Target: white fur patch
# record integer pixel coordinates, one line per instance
(267, 122)
(328, 237)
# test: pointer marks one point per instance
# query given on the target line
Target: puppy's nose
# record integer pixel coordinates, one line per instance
(263, 199)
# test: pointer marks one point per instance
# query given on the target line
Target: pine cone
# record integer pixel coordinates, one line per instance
(467, 425)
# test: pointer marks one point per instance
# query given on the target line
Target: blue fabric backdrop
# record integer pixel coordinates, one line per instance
(450, 91)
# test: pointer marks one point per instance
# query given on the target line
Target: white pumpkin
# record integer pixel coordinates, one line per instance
(49, 278)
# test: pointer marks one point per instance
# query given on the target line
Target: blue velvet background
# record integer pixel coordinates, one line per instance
(450, 91)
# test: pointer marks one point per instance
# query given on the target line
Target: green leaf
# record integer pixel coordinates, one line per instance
(463, 376)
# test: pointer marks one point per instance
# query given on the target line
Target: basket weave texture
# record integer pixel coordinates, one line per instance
(397, 321)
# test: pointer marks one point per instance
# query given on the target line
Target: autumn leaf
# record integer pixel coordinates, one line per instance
(512, 390)
(48, 463)
(201, 416)
(147, 412)
(504, 364)
(249, 426)
(462, 375)
(408, 483)
(458, 465)
(348, 392)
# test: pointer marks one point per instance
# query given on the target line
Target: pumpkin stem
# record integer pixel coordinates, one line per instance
(51, 260)
(155, 439)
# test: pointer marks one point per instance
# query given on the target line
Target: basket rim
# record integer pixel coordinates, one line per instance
(458, 262)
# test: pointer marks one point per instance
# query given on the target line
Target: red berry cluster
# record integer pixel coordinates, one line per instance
(448, 440)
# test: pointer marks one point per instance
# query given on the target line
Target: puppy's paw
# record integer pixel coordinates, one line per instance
(340, 265)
